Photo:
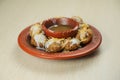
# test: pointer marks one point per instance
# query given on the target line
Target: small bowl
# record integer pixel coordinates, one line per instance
(60, 21)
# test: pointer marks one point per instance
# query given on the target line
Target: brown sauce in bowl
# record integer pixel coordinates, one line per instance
(60, 28)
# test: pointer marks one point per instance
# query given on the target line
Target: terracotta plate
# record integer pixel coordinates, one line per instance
(24, 43)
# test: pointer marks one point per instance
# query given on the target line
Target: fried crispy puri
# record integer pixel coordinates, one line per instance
(71, 44)
(32, 41)
(84, 34)
(38, 40)
(54, 45)
(35, 29)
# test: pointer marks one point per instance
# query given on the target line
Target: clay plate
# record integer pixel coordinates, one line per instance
(24, 43)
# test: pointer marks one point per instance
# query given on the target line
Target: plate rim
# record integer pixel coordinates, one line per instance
(24, 45)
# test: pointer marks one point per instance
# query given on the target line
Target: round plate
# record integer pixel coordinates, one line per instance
(24, 43)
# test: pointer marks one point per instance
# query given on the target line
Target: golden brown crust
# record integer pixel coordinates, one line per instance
(84, 36)
(54, 47)
(32, 41)
(69, 47)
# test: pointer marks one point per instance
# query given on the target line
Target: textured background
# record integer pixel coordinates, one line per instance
(15, 64)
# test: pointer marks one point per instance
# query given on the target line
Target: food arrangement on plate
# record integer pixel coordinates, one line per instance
(60, 34)
(60, 38)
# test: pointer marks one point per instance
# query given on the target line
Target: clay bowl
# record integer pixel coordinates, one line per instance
(60, 21)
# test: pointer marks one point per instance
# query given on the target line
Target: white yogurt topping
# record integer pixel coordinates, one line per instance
(35, 29)
(40, 38)
(74, 41)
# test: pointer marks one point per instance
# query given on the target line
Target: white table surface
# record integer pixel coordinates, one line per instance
(15, 64)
